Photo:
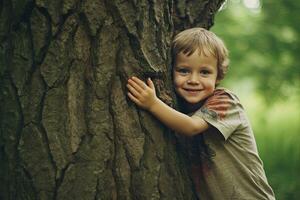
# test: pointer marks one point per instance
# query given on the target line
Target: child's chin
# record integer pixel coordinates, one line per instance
(193, 100)
(189, 100)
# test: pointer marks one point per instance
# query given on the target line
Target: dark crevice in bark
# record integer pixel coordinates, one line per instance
(72, 36)
(115, 138)
(84, 21)
(47, 144)
(88, 80)
(62, 79)
(9, 167)
(133, 40)
(168, 12)
(139, 18)
(33, 65)
(24, 17)
(41, 104)
(50, 156)
(206, 18)
(161, 194)
(97, 191)
(30, 179)
(132, 171)
(147, 133)
(1, 7)
(90, 73)
(127, 153)
(138, 54)
(61, 23)
(77, 8)
(60, 179)
(179, 15)
(4, 167)
(111, 8)
(85, 139)
(158, 30)
(120, 71)
(6, 37)
(142, 165)
(44, 49)
(204, 13)
(42, 129)
(19, 128)
(115, 147)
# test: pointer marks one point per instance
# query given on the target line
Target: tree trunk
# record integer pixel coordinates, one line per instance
(67, 129)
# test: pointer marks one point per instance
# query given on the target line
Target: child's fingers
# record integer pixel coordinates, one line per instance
(133, 98)
(133, 90)
(150, 83)
(139, 82)
(135, 85)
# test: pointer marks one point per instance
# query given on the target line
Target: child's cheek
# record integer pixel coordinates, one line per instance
(175, 82)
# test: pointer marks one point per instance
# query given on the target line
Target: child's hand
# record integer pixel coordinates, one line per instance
(141, 93)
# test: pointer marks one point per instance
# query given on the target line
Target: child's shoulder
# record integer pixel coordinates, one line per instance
(221, 91)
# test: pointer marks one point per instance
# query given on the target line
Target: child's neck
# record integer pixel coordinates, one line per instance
(190, 108)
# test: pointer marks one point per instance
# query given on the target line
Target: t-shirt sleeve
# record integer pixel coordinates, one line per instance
(222, 111)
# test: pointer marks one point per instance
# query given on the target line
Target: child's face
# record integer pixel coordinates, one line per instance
(195, 76)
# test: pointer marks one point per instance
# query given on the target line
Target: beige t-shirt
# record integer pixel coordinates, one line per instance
(236, 171)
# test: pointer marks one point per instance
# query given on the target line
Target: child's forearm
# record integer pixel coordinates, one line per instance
(145, 97)
(178, 121)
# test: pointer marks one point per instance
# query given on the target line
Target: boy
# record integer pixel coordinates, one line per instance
(200, 60)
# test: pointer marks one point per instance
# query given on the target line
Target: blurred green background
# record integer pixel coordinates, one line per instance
(263, 38)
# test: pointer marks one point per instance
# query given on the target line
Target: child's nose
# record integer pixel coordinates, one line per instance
(193, 79)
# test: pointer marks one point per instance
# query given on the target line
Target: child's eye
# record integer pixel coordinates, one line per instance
(205, 72)
(183, 71)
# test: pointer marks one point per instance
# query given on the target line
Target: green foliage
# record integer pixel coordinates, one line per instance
(276, 130)
(264, 44)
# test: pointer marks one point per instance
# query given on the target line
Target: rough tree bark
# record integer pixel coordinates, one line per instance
(67, 129)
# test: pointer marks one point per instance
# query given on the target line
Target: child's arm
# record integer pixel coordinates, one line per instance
(144, 96)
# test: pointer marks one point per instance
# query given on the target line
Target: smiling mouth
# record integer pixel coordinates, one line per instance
(192, 90)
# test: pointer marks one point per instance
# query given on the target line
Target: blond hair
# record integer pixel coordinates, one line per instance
(206, 42)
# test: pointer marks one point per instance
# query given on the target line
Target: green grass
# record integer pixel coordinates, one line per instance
(277, 132)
